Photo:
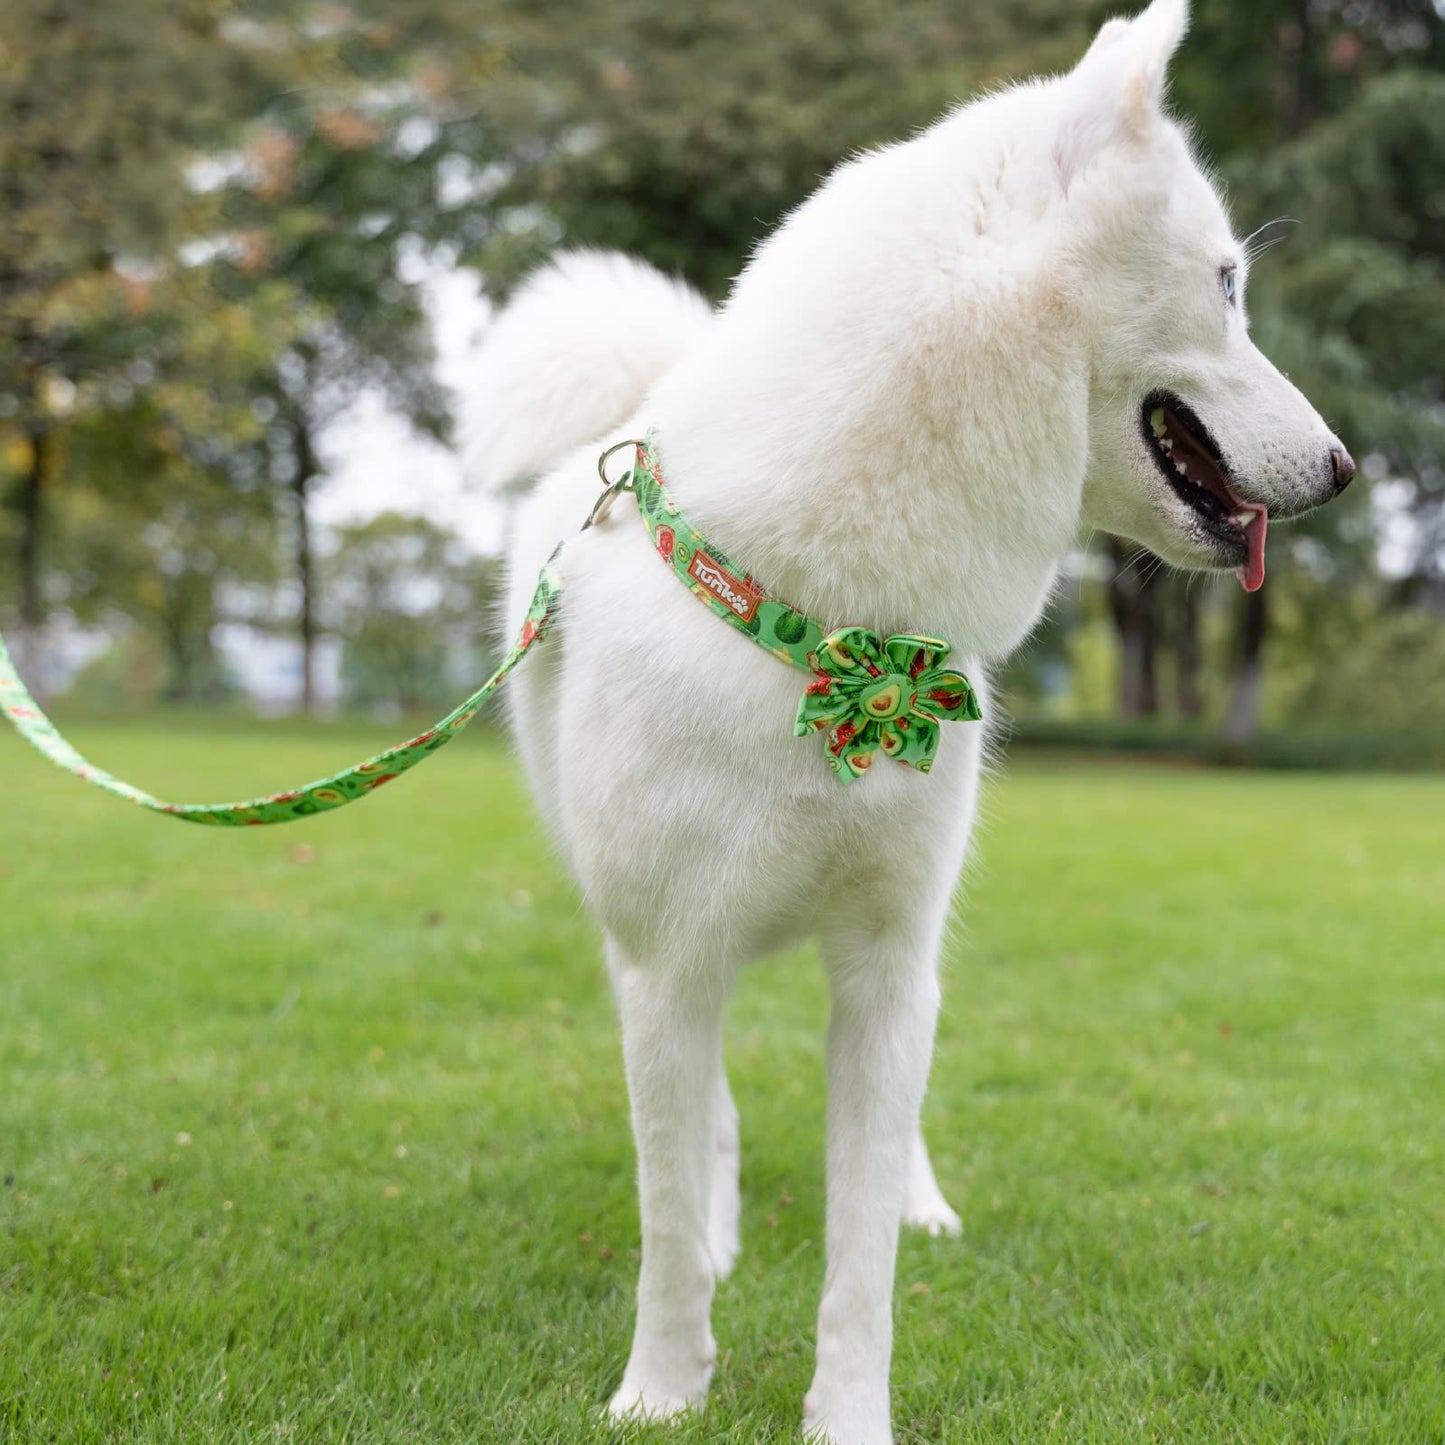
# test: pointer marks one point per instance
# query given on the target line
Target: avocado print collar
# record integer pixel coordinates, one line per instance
(869, 695)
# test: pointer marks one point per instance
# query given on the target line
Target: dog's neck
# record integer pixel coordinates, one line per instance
(882, 427)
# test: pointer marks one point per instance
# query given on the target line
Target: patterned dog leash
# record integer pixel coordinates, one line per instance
(869, 695)
(304, 802)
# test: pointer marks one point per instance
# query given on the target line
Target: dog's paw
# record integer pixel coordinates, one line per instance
(661, 1381)
(641, 1405)
(844, 1426)
(924, 1207)
(933, 1215)
(724, 1254)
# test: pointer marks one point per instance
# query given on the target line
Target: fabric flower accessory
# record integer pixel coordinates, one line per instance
(887, 696)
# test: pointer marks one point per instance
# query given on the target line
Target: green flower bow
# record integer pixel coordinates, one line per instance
(889, 695)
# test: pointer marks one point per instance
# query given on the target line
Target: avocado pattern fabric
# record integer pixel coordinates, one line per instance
(886, 697)
(868, 695)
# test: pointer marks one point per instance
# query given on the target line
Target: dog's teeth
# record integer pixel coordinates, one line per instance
(1156, 420)
(1182, 467)
(1243, 519)
(1167, 443)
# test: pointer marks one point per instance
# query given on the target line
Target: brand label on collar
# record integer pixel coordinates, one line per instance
(732, 591)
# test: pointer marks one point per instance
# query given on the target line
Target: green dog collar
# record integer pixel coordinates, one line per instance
(870, 696)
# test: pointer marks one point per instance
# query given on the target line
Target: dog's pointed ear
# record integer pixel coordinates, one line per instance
(1117, 89)
(1149, 43)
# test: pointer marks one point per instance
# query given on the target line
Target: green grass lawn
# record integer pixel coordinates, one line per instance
(318, 1133)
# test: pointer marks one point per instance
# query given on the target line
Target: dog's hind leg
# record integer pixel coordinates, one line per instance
(672, 1046)
(885, 1004)
(725, 1206)
(924, 1206)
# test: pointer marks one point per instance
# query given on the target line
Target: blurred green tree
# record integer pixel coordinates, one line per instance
(684, 133)
(100, 108)
(165, 539)
(415, 606)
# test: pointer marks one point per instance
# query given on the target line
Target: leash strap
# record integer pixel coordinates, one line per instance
(319, 797)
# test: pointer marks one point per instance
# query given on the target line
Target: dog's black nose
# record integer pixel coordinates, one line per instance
(1344, 465)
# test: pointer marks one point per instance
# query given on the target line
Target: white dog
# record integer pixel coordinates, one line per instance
(1026, 319)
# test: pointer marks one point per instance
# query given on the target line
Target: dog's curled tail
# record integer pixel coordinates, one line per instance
(570, 356)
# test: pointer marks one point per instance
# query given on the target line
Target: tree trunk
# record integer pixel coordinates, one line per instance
(32, 521)
(1187, 655)
(307, 468)
(1132, 598)
(1241, 722)
(187, 622)
(180, 684)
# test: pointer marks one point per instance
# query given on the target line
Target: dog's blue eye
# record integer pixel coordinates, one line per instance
(1229, 284)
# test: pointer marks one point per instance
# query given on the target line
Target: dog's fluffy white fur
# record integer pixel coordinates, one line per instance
(920, 388)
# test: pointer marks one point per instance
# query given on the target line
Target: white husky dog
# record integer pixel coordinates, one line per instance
(1028, 318)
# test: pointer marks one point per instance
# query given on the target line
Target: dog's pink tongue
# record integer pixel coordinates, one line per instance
(1251, 575)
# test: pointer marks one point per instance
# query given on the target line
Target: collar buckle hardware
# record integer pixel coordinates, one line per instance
(625, 483)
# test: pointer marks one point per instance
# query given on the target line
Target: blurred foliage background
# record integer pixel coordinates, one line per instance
(218, 219)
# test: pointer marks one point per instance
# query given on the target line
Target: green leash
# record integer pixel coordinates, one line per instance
(305, 802)
(869, 696)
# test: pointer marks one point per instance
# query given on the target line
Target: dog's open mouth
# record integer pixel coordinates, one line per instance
(1192, 464)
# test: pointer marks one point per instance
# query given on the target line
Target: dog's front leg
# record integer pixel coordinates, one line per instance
(672, 1045)
(880, 1038)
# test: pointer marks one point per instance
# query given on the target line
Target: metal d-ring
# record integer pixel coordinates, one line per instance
(624, 483)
